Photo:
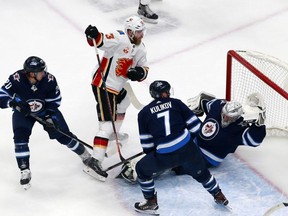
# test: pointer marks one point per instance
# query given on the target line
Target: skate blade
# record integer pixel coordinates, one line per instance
(148, 212)
(93, 174)
(148, 20)
(26, 186)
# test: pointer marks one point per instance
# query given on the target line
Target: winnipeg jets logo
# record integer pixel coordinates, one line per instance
(209, 129)
(35, 105)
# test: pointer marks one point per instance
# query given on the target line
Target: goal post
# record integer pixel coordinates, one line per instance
(249, 72)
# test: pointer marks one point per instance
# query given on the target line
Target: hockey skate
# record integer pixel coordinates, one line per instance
(148, 206)
(25, 179)
(85, 157)
(147, 14)
(220, 198)
(94, 169)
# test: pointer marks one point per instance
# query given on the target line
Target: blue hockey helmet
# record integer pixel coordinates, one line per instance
(158, 87)
(34, 64)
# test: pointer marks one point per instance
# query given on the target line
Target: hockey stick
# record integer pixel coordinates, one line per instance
(275, 208)
(134, 100)
(108, 101)
(43, 122)
(123, 161)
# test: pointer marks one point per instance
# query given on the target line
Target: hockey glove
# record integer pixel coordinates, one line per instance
(261, 118)
(136, 74)
(257, 100)
(21, 106)
(91, 32)
(51, 121)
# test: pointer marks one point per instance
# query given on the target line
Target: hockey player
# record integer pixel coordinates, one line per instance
(146, 13)
(34, 91)
(167, 128)
(226, 126)
(124, 59)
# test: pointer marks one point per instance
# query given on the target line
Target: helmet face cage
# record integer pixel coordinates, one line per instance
(34, 64)
(158, 87)
(231, 111)
(134, 23)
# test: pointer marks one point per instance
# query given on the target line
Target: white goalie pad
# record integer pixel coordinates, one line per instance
(193, 102)
(128, 171)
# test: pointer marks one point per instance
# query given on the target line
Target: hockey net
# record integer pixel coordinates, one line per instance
(249, 72)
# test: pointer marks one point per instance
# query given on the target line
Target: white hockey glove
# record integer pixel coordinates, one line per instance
(195, 103)
(255, 109)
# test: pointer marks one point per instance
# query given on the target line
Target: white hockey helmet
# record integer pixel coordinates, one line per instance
(134, 23)
(231, 111)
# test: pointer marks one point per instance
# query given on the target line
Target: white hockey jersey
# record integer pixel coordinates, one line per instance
(119, 55)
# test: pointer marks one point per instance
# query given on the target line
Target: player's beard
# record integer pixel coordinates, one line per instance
(137, 41)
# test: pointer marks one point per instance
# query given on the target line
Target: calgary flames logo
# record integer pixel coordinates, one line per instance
(123, 64)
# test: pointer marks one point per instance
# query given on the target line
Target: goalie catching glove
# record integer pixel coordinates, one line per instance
(255, 109)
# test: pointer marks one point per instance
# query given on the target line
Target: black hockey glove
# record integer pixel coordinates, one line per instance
(51, 121)
(91, 32)
(21, 106)
(136, 74)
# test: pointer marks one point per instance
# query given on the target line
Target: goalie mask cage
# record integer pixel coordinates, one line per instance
(249, 72)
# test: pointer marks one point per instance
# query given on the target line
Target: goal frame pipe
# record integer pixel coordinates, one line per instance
(233, 54)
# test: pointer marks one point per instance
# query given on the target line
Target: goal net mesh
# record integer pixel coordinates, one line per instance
(249, 72)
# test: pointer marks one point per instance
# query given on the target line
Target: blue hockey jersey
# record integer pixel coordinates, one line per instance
(45, 94)
(216, 142)
(166, 125)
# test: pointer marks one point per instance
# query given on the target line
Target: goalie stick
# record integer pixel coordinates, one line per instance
(123, 161)
(275, 208)
(134, 100)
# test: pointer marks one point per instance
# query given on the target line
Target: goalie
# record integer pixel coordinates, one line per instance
(227, 125)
